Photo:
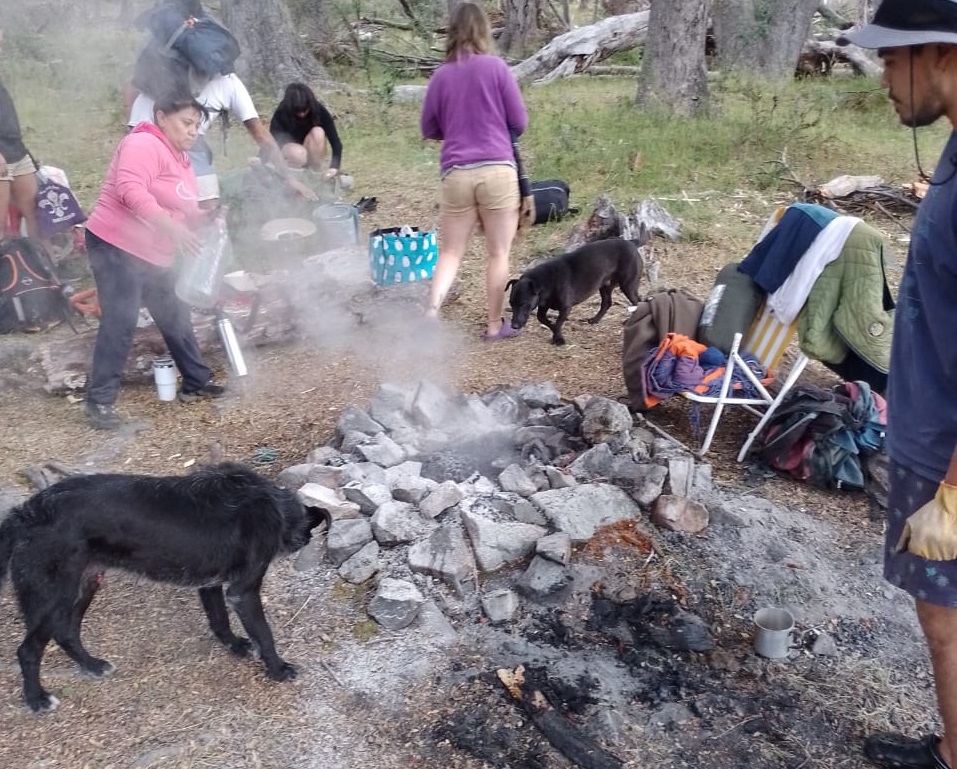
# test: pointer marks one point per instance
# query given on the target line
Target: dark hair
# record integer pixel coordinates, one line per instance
(175, 102)
(299, 97)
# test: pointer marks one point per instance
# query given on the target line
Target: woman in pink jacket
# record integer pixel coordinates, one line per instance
(145, 214)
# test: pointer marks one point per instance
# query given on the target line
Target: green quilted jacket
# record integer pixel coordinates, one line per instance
(850, 305)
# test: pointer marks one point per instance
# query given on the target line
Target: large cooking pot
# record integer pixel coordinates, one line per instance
(289, 237)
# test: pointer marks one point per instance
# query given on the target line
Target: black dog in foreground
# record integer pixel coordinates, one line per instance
(219, 527)
(563, 281)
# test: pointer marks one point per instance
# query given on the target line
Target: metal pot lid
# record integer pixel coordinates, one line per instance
(287, 229)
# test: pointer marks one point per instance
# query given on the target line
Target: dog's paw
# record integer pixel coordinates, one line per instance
(44, 703)
(558, 340)
(282, 672)
(241, 647)
(99, 668)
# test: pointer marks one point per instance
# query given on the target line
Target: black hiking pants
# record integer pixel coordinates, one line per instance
(124, 283)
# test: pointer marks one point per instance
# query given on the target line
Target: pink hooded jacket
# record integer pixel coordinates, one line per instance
(147, 176)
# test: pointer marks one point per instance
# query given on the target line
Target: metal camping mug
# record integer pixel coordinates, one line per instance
(164, 372)
(773, 633)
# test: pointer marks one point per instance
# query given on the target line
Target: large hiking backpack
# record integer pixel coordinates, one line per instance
(31, 296)
(185, 34)
(822, 436)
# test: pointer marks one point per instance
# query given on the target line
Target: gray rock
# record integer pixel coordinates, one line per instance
(363, 472)
(824, 645)
(543, 578)
(498, 543)
(506, 408)
(606, 421)
(395, 604)
(683, 631)
(315, 495)
(361, 565)
(294, 476)
(680, 514)
(474, 418)
(402, 471)
(539, 395)
(566, 418)
(441, 498)
(581, 510)
(702, 485)
(520, 509)
(580, 402)
(558, 478)
(311, 556)
(390, 405)
(432, 625)
(555, 547)
(323, 455)
(368, 496)
(444, 554)
(595, 463)
(346, 538)
(500, 605)
(326, 475)
(382, 450)
(397, 522)
(514, 479)
(430, 404)
(649, 484)
(412, 489)
(680, 475)
(354, 419)
(352, 440)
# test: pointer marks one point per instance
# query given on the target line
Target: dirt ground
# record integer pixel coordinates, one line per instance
(420, 698)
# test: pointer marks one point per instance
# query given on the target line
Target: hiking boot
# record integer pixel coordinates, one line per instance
(101, 416)
(208, 390)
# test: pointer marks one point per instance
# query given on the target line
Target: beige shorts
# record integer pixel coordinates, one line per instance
(484, 188)
(22, 167)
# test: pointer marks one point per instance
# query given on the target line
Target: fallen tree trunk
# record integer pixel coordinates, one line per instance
(65, 361)
(850, 54)
(576, 50)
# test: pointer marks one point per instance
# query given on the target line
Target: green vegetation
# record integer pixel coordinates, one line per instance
(585, 130)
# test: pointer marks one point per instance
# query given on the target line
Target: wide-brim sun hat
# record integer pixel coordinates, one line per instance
(901, 23)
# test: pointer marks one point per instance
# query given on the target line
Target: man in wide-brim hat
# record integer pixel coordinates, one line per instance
(917, 41)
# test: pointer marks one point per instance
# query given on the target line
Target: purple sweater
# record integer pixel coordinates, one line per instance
(470, 105)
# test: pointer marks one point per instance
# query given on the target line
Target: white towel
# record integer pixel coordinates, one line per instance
(787, 301)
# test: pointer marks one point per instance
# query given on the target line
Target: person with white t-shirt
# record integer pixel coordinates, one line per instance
(223, 93)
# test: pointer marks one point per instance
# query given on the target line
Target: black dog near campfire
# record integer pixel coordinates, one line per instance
(563, 281)
(219, 527)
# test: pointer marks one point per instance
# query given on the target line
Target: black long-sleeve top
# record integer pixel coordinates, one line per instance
(286, 127)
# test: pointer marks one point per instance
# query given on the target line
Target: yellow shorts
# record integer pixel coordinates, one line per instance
(22, 167)
(484, 188)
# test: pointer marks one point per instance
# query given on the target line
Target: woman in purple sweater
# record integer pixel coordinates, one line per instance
(471, 105)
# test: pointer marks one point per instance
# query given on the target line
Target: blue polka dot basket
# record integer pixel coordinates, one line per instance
(402, 255)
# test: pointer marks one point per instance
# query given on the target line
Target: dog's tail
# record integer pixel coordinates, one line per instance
(8, 537)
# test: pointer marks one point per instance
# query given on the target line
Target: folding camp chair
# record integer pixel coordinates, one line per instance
(767, 340)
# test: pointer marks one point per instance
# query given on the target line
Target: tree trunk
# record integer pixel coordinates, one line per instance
(673, 73)
(521, 22)
(764, 37)
(273, 54)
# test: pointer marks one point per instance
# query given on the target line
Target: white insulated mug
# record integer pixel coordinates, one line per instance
(164, 372)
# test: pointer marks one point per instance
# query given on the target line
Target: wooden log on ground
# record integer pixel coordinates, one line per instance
(855, 57)
(558, 729)
(65, 360)
(583, 47)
